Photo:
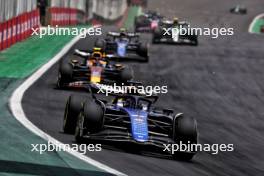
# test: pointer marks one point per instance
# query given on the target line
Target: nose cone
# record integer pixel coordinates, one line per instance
(139, 126)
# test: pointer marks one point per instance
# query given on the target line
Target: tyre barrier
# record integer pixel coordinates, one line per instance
(18, 28)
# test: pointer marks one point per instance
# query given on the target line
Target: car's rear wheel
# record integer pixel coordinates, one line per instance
(244, 11)
(157, 34)
(65, 74)
(72, 110)
(143, 50)
(126, 74)
(184, 132)
(195, 40)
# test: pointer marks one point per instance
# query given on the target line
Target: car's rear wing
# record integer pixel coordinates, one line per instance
(129, 34)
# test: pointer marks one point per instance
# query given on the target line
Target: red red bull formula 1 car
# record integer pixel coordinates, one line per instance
(95, 69)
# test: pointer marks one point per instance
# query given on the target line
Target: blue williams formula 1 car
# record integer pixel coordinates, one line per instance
(124, 46)
(130, 119)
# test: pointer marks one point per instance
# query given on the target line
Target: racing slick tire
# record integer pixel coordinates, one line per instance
(185, 132)
(195, 40)
(143, 51)
(126, 74)
(80, 130)
(157, 34)
(93, 116)
(100, 43)
(65, 74)
(72, 110)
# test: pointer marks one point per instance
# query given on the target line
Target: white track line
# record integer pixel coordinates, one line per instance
(250, 29)
(17, 110)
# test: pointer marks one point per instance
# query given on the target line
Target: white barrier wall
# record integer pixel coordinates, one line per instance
(109, 9)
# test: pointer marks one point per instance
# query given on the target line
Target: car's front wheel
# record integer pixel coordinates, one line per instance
(143, 50)
(94, 116)
(72, 110)
(80, 129)
(184, 132)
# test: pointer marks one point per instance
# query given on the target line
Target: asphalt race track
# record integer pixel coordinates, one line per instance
(220, 83)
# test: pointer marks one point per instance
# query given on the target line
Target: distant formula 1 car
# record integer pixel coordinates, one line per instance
(239, 9)
(124, 46)
(161, 36)
(95, 69)
(131, 119)
(147, 22)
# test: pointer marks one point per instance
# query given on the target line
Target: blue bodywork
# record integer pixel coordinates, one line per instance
(122, 47)
(139, 123)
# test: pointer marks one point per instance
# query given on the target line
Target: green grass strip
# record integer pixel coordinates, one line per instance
(132, 13)
(257, 25)
(23, 58)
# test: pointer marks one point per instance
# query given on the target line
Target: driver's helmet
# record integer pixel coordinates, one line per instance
(97, 56)
(120, 102)
(175, 21)
(143, 106)
(123, 32)
(128, 102)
